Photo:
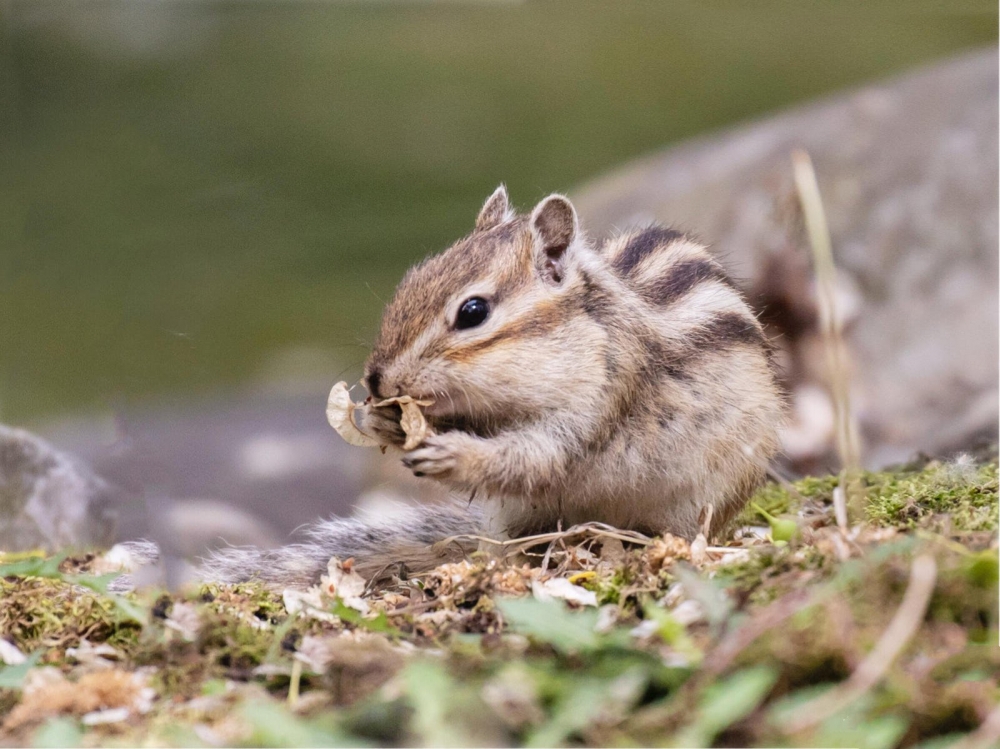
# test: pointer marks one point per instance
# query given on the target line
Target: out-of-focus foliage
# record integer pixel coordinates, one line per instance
(190, 191)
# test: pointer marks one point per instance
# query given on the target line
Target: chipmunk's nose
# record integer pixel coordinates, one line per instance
(379, 389)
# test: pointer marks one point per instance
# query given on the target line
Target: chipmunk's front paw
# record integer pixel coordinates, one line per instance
(380, 423)
(444, 456)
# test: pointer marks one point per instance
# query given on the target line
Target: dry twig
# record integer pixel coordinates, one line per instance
(516, 545)
(832, 327)
(905, 623)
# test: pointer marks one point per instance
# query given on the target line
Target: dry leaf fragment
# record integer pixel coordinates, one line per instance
(97, 691)
(612, 552)
(104, 717)
(309, 602)
(688, 612)
(101, 655)
(699, 550)
(339, 408)
(340, 581)
(413, 422)
(340, 411)
(664, 551)
(414, 425)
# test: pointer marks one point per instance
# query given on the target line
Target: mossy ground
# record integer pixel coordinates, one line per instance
(958, 496)
(686, 647)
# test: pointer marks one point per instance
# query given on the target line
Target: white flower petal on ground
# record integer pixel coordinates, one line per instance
(688, 612)
(103, 717)
(10, 654)
(88, 654)
(309, 602)
(341, 581)
(185, 619)
(560, 587)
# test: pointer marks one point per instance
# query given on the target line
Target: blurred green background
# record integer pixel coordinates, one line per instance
(196, 195)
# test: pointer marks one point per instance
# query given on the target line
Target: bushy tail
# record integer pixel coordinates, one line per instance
(408, 537)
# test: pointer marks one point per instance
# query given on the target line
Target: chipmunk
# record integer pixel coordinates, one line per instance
(628, 383)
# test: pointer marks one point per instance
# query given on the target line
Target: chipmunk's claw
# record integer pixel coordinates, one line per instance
(436, 457)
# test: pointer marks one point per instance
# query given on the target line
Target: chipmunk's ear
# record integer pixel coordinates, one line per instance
(495, 210)
(554, 226)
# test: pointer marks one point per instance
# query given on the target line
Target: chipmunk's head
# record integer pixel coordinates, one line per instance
(485, 319)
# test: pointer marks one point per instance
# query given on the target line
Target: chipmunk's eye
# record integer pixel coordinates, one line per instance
(473, 312)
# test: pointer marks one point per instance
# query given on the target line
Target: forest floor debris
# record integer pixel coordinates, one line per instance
(883, 636)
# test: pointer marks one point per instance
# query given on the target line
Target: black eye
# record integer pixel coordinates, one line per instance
(473, 312)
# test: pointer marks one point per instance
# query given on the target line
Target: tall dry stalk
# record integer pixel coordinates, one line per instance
(849, 490)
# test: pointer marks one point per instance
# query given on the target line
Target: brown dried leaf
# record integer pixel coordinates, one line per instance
(664, 551)
(339, 409)
(340, 413)
(699, 550)
(98, 690)
(413, 422)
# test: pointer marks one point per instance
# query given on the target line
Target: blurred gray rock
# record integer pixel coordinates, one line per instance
(48, 499)
(908, 174)
(244, 468)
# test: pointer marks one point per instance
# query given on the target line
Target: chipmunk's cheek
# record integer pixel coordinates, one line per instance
(443, 456)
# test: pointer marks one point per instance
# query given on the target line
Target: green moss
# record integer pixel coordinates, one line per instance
(747, 575)
(609, 589)
(250, 598)
(49, 613)
(770, 572)
(772, 498)
(749, 579)
(949, 497)
(237, 635)
(953, 496)
(782, 499)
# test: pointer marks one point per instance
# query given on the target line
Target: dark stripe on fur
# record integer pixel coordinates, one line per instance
(683, 277)
(641, 245)
(720, 332)
(728, 328)
(596, 301)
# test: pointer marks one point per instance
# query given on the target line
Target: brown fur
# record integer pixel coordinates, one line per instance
(629, 384)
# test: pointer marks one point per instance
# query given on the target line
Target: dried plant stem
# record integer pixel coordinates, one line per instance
(293, 685)
(722, 655)
(832, 328)
(515, 545)
(905, 623)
